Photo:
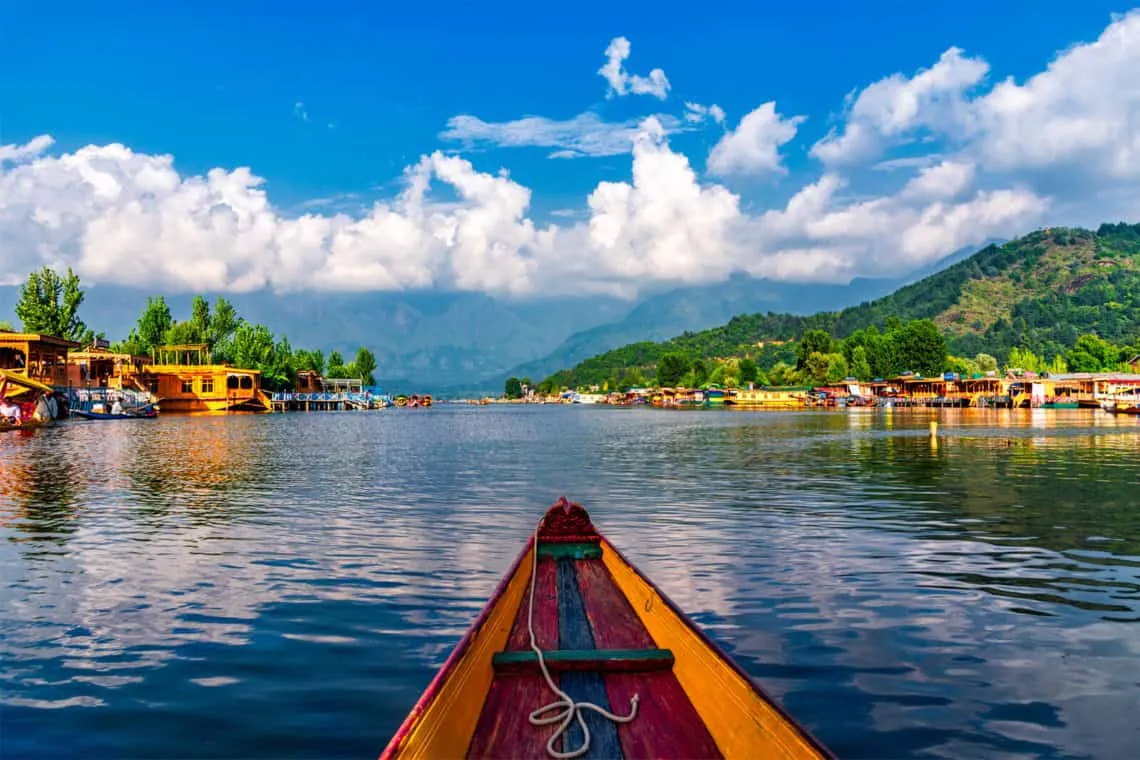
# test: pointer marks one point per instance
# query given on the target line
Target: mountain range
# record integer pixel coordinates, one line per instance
(1038, 292)
(457, 344)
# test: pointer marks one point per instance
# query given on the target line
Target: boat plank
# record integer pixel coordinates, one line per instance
(574, 633)
(667, 725)
(613, 622)
(545, 612)
(504, 728)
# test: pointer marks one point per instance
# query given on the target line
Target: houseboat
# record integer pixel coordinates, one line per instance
(774, 397)
(41, 358)
(183, 379)
(97, 366)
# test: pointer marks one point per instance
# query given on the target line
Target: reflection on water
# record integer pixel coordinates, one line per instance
(264, 586)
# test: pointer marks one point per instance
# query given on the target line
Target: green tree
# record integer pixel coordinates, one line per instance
(1024, 359)
(223, 323)
(986, 363)
(837, 370)
(748, 370)
(1092, 354)
(782, 374)
(49, 304)
(6, 326)
(920, 347)
(700, 372)
(671, 368)
(513, 388)
(814, 341)
(336, 366)
(313, 361)
(365, 365)
(200, 319)
(860, 367)
(151, 329)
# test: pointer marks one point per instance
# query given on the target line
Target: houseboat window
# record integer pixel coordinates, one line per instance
(207, 385)
(11, 358)
(232, 382)
(152, 386)
(303, 381)
(246, 382)
(187, 386)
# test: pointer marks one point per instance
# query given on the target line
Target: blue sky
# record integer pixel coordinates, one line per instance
(218, 85)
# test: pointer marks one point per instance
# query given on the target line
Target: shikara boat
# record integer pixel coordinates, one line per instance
(603, 666)
(142, 414)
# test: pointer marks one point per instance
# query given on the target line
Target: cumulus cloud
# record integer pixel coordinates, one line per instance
(754, 146)
(584, 135)
(1003, 161)
(622, 82)
(895, 108)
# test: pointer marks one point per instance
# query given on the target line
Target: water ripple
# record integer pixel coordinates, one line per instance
(287, 585)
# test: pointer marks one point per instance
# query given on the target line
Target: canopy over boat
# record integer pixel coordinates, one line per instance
(604, 665)
(19, 385)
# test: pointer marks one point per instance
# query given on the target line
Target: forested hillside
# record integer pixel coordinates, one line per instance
(1037, 294)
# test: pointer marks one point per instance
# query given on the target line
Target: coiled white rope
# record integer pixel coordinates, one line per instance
(569, 709)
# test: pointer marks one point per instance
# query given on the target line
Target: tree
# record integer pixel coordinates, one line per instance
(6, 326)
(860, 367)
(336, 365)
(748, 371)
(814, 341)
(782, 374)
(986, 363)
(700, 371)
(365, 365)
(1092, 354)
(151, 329)
(221, 327)
(49, 304)
(513, 388)
(314, 361)
(200, 319)
(671, 368)
(920, 346)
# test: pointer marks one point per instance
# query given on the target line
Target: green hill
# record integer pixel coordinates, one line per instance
(1039, 293)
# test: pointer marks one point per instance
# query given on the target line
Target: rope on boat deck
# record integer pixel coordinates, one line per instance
(568, 708)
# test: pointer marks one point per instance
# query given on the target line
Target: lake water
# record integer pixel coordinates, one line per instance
(286, 585)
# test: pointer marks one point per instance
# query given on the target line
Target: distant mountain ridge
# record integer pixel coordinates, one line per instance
(1041, 291)
(459, 344)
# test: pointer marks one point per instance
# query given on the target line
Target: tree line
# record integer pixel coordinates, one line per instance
(818, 357)
(48, 304)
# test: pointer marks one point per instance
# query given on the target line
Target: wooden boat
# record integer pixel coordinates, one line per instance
(142, 414)
(23, 391)
(532, 684)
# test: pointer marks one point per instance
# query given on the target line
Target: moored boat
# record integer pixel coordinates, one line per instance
(141, 414)
(577, 652)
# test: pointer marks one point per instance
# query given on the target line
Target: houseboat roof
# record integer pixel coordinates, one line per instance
(106, 353)
(50, 340)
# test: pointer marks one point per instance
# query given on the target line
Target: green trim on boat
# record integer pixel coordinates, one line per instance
(576, 550)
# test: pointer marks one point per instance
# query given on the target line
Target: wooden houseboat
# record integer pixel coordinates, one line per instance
(41, 358)
(184, 380)
(773, 397)
(98, 366)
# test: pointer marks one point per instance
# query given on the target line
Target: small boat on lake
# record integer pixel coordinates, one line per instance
(140, 414)
(577, 654)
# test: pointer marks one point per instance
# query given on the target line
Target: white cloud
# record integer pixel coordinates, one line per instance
(895, 108)
(695, 113)
(1004, 162)
(300, 112)
(622, 82)
(584, 135)
(754, 146)
(31, 149)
